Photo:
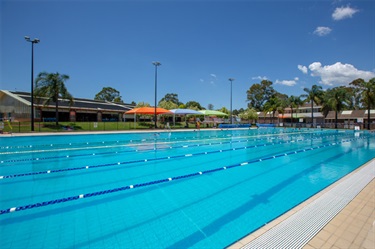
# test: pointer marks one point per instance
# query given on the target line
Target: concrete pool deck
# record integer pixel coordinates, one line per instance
(352, 227)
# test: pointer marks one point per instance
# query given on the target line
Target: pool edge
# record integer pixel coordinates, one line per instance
(322, 237)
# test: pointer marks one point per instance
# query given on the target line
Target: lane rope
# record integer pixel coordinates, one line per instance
(139, 185)
(135, 150)
(86, 167)
(157, 138)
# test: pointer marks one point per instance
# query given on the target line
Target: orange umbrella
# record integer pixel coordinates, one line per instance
(148, 110)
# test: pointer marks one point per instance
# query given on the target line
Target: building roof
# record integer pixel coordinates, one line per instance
(78, 103)
(352, 114)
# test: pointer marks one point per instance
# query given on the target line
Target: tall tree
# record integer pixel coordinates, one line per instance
(51, 86)
(142, 104)
(249, 114)
(336, 99)
(314, 95)
(109, 94)
(169, 105)
(259, 94)
(182, 106)
(367, 96)
(272, 105)
(235, 112)
(210, 107)
(223, 109)
(193, 105)
(171, 97)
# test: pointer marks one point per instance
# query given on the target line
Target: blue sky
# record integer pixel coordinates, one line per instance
(200, 44)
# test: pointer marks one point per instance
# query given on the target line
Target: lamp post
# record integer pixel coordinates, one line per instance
(156, 64)
(231, 80)
(36, 40)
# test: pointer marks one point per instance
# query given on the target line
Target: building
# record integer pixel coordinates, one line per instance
(350, 119)
(16, 106)
(301, 116)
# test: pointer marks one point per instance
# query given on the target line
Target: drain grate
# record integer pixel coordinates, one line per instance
(300, 228)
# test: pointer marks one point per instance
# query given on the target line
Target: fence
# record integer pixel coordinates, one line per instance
(330, 125)
(21, 127)
(24, 127)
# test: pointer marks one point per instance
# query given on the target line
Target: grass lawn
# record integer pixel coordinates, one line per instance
(24, 127)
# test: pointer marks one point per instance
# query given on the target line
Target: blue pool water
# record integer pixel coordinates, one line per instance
(164, 190)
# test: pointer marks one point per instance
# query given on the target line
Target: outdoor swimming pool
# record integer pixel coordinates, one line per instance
(164, 190)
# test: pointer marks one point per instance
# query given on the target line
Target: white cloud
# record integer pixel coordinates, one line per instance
(287, 82)
(343, 13)
(322, 31)
(259, 78)
(212, 80)
(303, 69)
(338, 73)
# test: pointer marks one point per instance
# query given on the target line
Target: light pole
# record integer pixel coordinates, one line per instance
(36, 40)
(156, 64)
(231, 80)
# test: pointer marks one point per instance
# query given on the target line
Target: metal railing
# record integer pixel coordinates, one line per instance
(25, 127)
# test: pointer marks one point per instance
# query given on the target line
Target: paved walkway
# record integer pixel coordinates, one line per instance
(353, 227)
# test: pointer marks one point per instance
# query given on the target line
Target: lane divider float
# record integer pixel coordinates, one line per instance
(139, 185)
(136, 150)
(144, 160)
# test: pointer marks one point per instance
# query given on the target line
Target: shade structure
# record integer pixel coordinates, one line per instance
(148, 110)
(212, 113)
(185, 111)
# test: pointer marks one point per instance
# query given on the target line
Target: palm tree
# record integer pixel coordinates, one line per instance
(294, 102)
(51, 86)
(368, 94)
(336, 99)
(314, 94)
(272, 105)
(354, 98)
(284, 102)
